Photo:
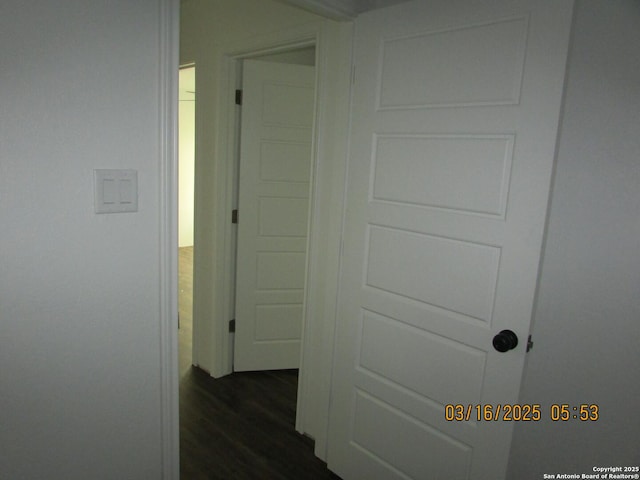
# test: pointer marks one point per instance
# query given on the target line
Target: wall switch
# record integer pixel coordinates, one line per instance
(115, 191)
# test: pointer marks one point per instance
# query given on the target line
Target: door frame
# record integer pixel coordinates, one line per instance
(332, 41)
(226, 189)
(169, 40)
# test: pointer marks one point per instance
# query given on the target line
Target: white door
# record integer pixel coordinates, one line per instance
(273, 205)
(454, 122)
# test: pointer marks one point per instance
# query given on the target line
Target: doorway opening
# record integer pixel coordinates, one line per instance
(295, 55)
(186, 167)
(215, 289)
(238, 406)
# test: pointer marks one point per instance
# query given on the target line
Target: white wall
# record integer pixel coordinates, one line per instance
(186, 154)
(587, 326)
(79, 292)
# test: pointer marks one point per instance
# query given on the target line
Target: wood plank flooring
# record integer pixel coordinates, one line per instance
(240, 426)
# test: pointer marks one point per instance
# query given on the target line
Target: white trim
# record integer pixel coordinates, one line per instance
(333, 64)
(168, 234)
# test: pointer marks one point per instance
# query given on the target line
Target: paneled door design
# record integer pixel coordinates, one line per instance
(273, 203)
(454, 123)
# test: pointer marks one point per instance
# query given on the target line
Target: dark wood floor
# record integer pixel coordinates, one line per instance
(240, 426)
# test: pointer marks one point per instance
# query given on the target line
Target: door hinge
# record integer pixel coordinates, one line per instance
(234, 215)
(529, 343)
(232, 325)
(238, 97)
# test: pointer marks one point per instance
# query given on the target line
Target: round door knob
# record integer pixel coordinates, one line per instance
(504, 341)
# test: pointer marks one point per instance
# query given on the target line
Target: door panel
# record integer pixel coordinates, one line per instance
(454, 122)
(483, 65)
(275, 167)
(468, 173)
(424, 267)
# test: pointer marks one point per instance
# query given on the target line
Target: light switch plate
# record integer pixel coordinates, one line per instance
(115, 191)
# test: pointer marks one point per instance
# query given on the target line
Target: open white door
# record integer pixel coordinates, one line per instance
(273, 204)
(455, 115)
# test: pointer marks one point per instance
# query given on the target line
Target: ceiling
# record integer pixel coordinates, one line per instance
(337, 9)
(341, 9)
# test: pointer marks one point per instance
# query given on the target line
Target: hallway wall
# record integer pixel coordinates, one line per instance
(587, 325)
(80, 380)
